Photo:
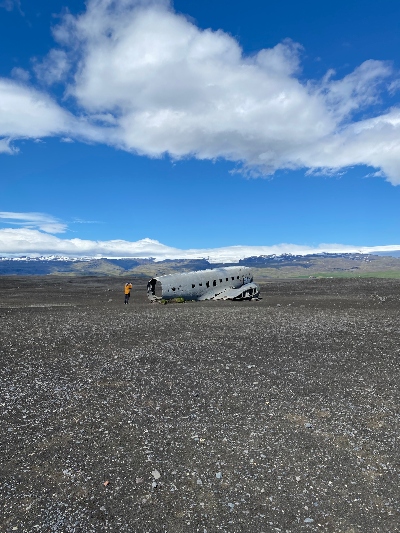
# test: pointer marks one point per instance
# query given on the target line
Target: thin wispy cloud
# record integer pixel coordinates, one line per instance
(6, 146)
(17, 242)
(9, 5)
(20, 74)
(82, 221)
(165, 86)
(37, 221)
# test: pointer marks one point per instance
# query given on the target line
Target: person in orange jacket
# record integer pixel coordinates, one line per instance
(128, 287)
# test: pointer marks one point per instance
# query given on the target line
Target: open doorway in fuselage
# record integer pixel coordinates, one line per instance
(154, 289)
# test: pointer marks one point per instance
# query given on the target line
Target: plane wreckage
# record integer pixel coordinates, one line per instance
(230, 283)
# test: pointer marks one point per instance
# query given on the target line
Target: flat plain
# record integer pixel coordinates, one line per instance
(280, 415)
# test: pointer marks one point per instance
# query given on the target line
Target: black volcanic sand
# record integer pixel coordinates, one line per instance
(277, 415)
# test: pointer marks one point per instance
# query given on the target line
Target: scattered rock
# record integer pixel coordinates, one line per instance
(156, 474)
(89, 390)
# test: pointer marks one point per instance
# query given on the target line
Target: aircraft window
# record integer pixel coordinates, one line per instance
(193, 285)
(227, 279)
(233, 278)
(214, 283)
(237, 277)
(200, 284)
(220, 280)
(207, 283)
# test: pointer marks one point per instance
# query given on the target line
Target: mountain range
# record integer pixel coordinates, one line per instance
(264, 267)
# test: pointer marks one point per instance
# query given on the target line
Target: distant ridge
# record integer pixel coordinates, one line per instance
(259, 258)
(264, 266)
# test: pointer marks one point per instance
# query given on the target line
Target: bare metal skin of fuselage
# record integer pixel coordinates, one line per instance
(229, 283)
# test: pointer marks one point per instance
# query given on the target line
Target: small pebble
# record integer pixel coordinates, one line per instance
(156, 474)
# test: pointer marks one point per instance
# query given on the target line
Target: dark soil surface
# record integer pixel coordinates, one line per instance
(274, 416)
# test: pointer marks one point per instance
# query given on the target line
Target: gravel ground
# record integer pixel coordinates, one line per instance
(272, 416)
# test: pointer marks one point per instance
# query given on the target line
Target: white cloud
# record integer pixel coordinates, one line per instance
(178, 89)
(374, 142)
(53, 68)
(6, 147)
(25, 112)
(394, 86)
(358, 89)
(82, 221)
(28, 113)
(150, 81)
(20, 74)
(41, 221)
(174, 88)
(17, 242)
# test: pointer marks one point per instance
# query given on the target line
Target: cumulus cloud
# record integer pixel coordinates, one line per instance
(148, 80)
(177, 89)
(41, 221)
(17, 242)
(28, 113)
(25, 112)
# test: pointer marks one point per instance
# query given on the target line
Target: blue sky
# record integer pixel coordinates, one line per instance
(152, 128)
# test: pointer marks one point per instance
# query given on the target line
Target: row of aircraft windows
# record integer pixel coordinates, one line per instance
(208, 283)
(214, 282)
